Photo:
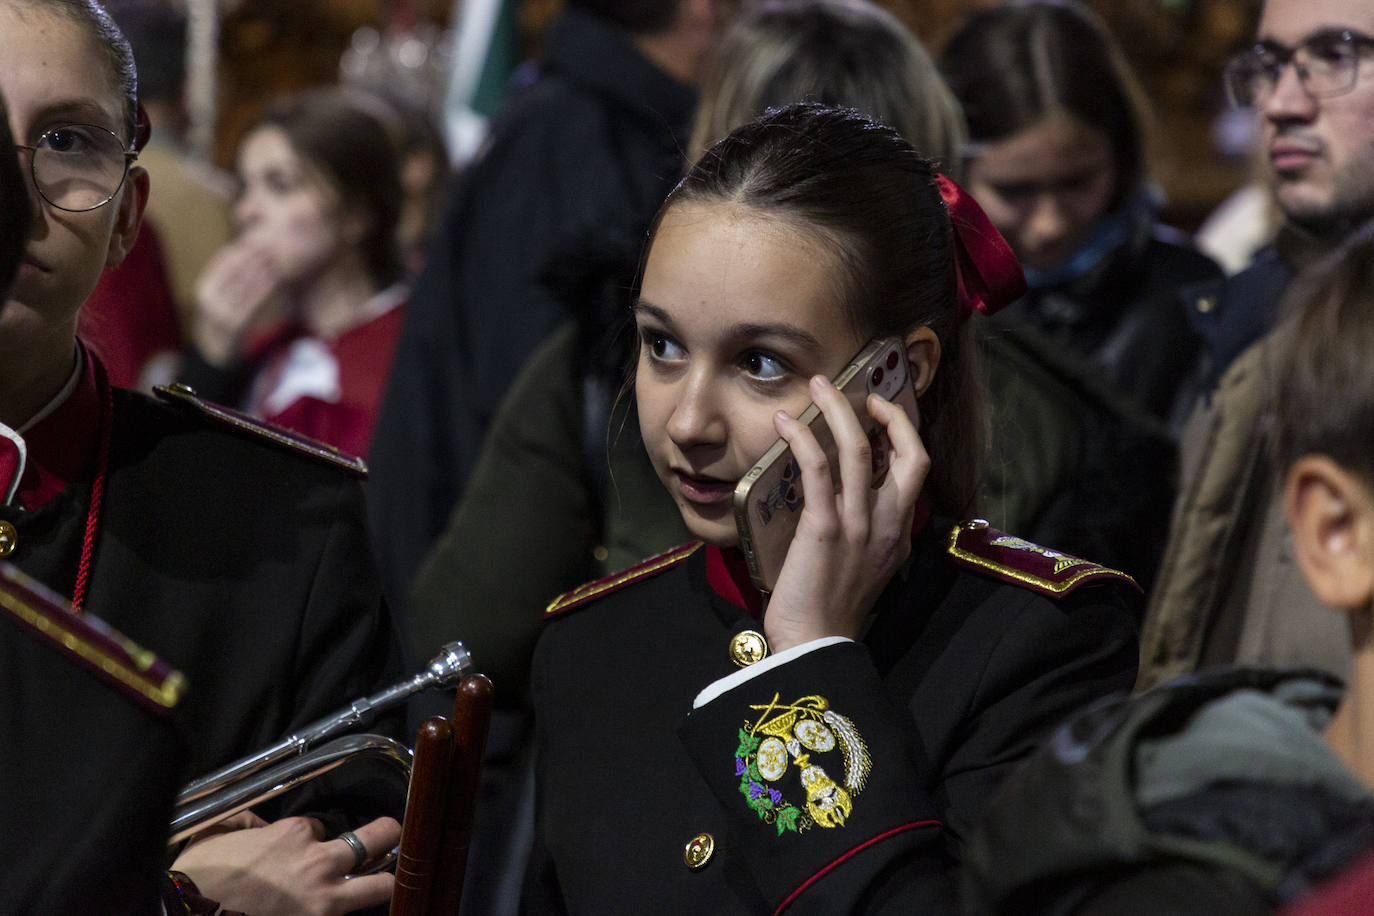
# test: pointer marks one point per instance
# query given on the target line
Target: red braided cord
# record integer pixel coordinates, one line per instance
(83, 570)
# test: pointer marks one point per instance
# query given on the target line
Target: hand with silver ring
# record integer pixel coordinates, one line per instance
(288, 867)
(360, 855)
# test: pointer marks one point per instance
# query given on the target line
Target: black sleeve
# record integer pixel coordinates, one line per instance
(346, 649)
(87, 778)
(1049, 660)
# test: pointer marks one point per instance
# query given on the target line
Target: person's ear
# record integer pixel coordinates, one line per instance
(923, 355)
(133, 198)
(1331, 517)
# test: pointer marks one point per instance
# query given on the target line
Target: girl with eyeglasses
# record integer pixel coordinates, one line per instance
(702, 748)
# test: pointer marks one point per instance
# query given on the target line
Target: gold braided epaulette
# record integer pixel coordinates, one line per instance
(584, 594)
(89, 642)
(186, 396)
(977, 545)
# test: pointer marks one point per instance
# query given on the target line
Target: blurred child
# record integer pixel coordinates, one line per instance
(296, 319)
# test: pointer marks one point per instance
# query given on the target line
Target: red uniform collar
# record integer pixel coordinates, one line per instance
(728, 572)
(62, 447)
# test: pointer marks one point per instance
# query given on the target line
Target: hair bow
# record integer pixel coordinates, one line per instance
(988, 272)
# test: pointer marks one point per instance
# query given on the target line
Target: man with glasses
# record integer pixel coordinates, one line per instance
(1228, 590)
(242, 560)
(1318, 142)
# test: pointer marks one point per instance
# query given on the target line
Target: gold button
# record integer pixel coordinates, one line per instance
(1205, 304)
(698, 851)
(9, 538)
(600, 553)
(747, 647)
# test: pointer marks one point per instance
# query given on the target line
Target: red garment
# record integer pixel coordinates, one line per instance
(131, 316)
(338, 394)
(1352, 891)
(58, 449)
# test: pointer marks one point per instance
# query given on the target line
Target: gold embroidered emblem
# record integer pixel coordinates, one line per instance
(1062, 561)
(789, 737)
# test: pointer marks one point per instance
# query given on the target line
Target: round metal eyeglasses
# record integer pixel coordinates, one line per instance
(78, 167)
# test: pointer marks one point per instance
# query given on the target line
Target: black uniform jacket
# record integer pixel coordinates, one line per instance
(241, 561)
(1127, 316)
(839, 781)
(90, 759)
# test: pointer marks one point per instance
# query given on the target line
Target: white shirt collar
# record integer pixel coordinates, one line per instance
(60, 398)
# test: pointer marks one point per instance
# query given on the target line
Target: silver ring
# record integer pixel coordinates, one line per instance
(355, 844)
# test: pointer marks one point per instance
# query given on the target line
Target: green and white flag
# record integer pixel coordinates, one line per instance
(485, 52)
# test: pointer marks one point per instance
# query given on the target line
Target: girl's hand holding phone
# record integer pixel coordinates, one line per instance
(847, 545)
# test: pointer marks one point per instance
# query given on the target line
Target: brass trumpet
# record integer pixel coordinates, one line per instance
(269, 772)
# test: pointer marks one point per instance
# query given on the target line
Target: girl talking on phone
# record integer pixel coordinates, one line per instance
(702, 749)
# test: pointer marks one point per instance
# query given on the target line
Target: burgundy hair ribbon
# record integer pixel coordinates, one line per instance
(988, 272)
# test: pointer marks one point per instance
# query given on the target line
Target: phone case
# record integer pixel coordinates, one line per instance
(768, 499)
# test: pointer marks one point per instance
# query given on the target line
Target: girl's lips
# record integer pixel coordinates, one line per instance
(705, 490)
(29, 271)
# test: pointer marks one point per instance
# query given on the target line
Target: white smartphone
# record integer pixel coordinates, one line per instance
(768, 498)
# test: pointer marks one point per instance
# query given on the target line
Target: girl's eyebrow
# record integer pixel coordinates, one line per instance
(745, 331)
(652, 311)
(778, 330)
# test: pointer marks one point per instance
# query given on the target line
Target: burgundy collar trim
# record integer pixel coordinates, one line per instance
(728, 573)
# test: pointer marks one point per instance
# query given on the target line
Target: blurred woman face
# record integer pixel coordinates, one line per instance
(288, 208)
(1044, 187)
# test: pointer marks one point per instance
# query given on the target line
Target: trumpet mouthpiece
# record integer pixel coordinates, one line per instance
(452, 663)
